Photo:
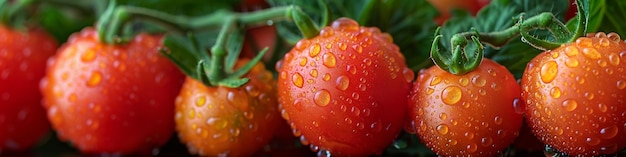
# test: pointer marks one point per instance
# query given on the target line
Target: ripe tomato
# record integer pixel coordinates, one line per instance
(575, 95)
(217, 121)
(445, 7)
(471, 114)
(111, 98)
(345, 91)
(23, 56)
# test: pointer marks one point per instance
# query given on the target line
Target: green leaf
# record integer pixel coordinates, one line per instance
(500, 15)
(183, 54)
(597, 9)
(614, 17)
(61, 22)
(233, 47)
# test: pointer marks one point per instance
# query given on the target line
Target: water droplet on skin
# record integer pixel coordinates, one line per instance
(604, 42)
(304, 141)
(297, 80)
(429, 91)
(471, 148)
(602, 107)
(95, 79)
(322, 97)
(442, 129)
(315, 50)
(451, 95)
(408, 75)
(486, 141)
(498, 120)
(435, 80)
(549, 71)
(252, 90)
(443, 116)
(469, 135)
(571, 51)
(348, 120)
(519, 106)
(342, 46)
(357, 48)
(463, 81)
(589, 96)
(299, 102)
(591, 53)
(303, 61)
(570, 105)
(345, 24)
(351, 69)
(555, 92)
(302, 44)
(200, 101)
(609, 132)
(342, 82)
(613, 36)
(327, 32)
(326, 77)
(324, 153)
(478, 81)
(584, 42)
(88, 56)
(572, 62)
(608, 149)
(217, 123)
(329, 60)
(614, 59)
(621, 84)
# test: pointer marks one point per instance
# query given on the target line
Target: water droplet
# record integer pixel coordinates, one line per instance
(609, 149)
(357, 48)
(602, 107)
(451, 95)
(591, 53)
(304, 141)
(469, 135)
(571, 51)
(430, 91)
(604, 42)
(315, 50)
(324, 153)
(302, 44)
(408, 74)
(303, 61)
(348, 120)
(570, 105)
(486, 141)
(443, 116)
(88, 56)
(435, 80)
(482, 92)
(471, 148)
(478, 81)
(463, 81)
(609, 132)
(549, 71)
(322, 97)
(297, 80)
(519, 106)
(613, 36)
(345, 24)
(342, 46)
(200, 101)
(327, 32)
(299, 102)
(329, 60)
(442, 129)
(572, 62)
(555, 92)
(326, 77)
(498, 120)
(95, 79)
(614, 59)
(252, 90)
(584, 42)
(621, 84)
(376, 126)
(217, 123)
(351, 69)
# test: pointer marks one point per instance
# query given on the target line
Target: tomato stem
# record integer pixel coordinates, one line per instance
(12, 13)
(305, 24)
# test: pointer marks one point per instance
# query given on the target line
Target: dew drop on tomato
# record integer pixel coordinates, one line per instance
(570, 105)
(548, 71)
(519, 106)
(451, 95)
(442, 129)
(609, 132)
(297, 80)
(329, 60)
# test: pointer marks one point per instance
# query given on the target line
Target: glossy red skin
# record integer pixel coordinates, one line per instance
(258, 37)
(578, 107)
(128, 108)
(360, 118)
(23, 56)
(216, 121)
(480, 122)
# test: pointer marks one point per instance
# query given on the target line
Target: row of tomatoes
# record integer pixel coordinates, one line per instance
(346, 92)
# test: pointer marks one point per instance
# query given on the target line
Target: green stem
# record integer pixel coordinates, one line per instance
(10, 12)
(218, 52)
(304, 23)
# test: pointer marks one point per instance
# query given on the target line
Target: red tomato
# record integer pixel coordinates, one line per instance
(445, 7)
(471, 114)
(575, 96)
(23, 56)
(115, 99)
(217, 121)
(258, 37)
(345, 91)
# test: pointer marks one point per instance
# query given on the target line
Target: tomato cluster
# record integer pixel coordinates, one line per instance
(344, 91)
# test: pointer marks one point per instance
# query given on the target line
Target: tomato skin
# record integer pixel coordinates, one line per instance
(471, 114)
(215, 121)
(111, 99)
(345, 90)
(575, 95)
(445, 7)
(23, 56)
(260, 36)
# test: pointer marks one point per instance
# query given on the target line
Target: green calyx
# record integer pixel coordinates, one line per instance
(215, 68)
(464, 56)
(13, 13)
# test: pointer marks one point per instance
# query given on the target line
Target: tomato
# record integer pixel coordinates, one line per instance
(575, 95)
(471, 114)
(345, 91)
(23, 56)
(571, 11)
(217, 121)
(116, 99)
(445, 7)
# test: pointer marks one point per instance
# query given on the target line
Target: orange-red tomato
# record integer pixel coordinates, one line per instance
(575, 95)
(471, 114)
